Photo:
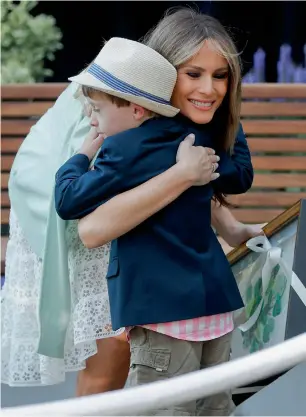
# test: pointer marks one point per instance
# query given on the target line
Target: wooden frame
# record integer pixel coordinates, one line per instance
(270, 229)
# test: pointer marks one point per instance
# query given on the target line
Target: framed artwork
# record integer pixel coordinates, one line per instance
(275, 307)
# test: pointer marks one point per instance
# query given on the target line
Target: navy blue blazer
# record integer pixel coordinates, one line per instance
(170, 267)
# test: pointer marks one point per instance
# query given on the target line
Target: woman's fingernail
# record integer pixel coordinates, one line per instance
(191, 135)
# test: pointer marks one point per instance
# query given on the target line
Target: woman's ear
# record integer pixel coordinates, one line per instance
(138, 112)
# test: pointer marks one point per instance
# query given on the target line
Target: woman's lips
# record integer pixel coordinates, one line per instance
(202, 105)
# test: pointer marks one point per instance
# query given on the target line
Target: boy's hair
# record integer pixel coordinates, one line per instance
(118, 101)
(91, 92)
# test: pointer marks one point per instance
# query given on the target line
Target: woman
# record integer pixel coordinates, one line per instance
(89, 345)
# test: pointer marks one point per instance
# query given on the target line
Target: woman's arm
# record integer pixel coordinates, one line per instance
(229, 228)
(127, 210)
(236, 170)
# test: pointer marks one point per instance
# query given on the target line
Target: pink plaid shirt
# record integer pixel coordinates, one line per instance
(196, 330)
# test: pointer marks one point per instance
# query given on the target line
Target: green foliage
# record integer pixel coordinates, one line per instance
(26, 41)
(260, 334)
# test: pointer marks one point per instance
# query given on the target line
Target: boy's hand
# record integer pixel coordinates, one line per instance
(199, 163)
(92, 143)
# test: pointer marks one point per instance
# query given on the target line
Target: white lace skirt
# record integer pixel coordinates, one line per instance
(90, 318)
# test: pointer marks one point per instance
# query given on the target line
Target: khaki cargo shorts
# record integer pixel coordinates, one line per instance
(157, 357)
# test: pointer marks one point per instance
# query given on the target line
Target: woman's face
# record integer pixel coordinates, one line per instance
(201, 85)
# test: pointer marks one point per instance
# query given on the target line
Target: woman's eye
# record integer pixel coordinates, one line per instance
(194, 74)
(221, 76)
(95, 110)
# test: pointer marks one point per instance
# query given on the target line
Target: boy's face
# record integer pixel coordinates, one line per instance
(109, 119)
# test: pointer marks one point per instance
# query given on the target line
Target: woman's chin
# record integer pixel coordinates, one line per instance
(200, 117)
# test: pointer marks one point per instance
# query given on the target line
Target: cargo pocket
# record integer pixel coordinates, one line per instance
(143, 354)
(159, 361)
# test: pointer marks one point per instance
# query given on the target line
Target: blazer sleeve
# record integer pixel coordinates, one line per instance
(236, 170)
(122, 163)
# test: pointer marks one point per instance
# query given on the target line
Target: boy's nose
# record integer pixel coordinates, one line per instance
(93, 121)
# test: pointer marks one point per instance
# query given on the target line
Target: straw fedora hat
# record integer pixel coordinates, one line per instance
(135, 72)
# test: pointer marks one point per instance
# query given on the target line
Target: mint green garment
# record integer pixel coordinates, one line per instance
(53, 139)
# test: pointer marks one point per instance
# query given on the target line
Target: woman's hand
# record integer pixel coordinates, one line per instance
(198, 163)
(229, 228)
(92, 143)
(241, 233)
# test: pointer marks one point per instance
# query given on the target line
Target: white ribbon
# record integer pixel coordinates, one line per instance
(273, 258)
(299, 288)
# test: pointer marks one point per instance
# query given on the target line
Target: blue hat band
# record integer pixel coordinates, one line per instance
(114, 82)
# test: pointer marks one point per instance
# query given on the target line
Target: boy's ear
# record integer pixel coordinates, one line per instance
(138, 112)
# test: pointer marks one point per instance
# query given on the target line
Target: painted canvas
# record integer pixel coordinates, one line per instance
(274, 308)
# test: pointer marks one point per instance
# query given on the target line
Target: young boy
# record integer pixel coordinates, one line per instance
(171, 268)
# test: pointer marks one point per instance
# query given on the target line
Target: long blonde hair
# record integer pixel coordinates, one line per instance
(179, 36)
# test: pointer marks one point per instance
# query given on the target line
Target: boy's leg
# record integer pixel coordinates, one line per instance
(156, 357)
(214, 352)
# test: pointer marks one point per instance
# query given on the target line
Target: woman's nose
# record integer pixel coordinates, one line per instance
(206, 85)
